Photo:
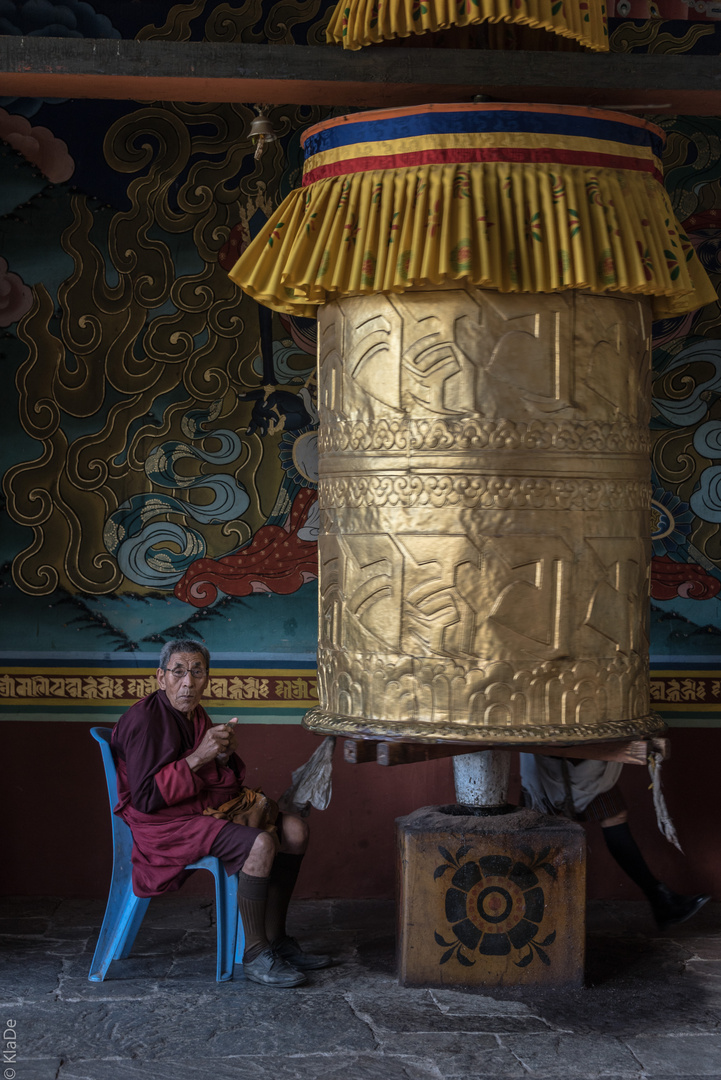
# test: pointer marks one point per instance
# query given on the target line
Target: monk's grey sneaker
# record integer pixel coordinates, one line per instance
(289, 949)
(270, 969)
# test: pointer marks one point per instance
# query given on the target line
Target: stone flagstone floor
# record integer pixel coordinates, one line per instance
(651, 1008)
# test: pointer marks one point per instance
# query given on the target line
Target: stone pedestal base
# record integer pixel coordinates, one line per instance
(490, 901)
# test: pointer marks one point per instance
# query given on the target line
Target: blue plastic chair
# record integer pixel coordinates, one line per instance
(124, 911)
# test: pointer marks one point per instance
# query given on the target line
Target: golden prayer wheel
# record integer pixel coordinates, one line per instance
(485, 511)
(486, 277)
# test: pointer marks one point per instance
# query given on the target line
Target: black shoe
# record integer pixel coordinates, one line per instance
(289, 950)
(670, 908)
(271, 969)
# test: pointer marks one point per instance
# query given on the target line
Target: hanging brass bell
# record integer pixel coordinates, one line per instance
(261, 132)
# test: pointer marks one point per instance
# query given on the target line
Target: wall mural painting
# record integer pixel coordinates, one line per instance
(686, 439)
(260, 21)
(161, 462)
(159, 428)
(664, 26)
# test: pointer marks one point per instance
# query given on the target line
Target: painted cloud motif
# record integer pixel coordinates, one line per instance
(15, 296)
(54, 18)
(37, 145)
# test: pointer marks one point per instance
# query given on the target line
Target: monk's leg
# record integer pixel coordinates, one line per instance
(283, 877)
(284, 874)
(260, 964)
(253, 882)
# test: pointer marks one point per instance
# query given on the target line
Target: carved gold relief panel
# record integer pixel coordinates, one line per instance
(484, 485)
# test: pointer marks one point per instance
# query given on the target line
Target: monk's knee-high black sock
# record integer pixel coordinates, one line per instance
(252, 902)
(623, 847)
(283, 877)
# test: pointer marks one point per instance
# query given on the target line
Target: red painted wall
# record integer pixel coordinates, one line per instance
(57, 842)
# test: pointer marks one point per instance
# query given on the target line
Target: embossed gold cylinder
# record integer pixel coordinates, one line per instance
(485, 511)
(486, 277)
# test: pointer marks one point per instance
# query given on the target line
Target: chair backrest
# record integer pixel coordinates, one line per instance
(102, 735)
(122, 836)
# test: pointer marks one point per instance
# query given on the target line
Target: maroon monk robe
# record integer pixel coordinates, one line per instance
(161, 798)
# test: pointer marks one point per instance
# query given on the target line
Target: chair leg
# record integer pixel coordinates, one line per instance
(239, 940)
(226, 905)
(125, 943)
(123, 916)
(226, 917)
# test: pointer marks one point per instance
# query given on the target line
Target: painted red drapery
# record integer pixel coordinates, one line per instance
(276, 560)
(670, 578)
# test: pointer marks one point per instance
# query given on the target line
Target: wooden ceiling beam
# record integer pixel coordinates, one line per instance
(327, 75)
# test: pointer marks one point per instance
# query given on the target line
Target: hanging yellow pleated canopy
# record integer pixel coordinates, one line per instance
(518, 198)
(356, 23)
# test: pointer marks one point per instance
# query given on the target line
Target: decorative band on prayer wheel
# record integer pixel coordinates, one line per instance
(356, 23)
(535, 198)
(485, 511)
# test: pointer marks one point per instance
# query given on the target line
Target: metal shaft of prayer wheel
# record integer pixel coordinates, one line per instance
(485, 278)
(482, 779)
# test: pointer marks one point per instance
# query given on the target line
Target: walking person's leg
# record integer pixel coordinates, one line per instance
(668, 907)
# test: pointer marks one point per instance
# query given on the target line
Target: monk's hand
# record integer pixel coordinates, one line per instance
(214, 744)
(231, 746)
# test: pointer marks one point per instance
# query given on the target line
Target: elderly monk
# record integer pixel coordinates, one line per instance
(173, 763)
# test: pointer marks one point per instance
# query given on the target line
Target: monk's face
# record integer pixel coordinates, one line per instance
(184, 691)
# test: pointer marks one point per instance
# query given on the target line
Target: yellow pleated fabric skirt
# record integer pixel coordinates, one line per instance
(515, 198)
(356, 23)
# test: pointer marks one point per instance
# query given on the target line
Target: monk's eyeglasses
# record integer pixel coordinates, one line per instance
(179, 672)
